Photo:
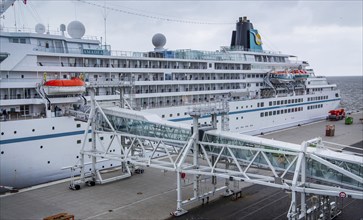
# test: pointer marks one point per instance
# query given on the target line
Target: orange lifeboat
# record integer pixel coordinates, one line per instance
(64, 86)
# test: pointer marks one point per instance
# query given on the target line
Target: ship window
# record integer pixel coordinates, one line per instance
(22, 76)
(237, 107)
(258, 104)
(278, 102)
(2, 133)
(79, 141)
(53, 128)
(14, 132)
(47, 44)
(261, 114)
(177, 114)
(3, 56)
(185, 113)
(2, 152)
(33, 130)
(269, 113)
(163, 116)
(78, 125)
(90, 140)
(278, 112)
(336, 95)
(270, 103)
(171, 115)
(266, 113)
(236, 118)
(101, 138)
(274, 112)
(41, 147)
(48, 162)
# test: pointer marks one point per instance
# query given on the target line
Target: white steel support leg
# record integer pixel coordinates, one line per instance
(195, 156)
(93, 125)
(293, 208)
(303, 180)
(179, 209)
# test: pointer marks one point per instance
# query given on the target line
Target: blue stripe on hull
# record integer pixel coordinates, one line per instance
(48, 136)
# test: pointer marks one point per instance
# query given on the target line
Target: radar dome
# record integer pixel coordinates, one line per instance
(159, 40)
(40, 28)
(76, 29)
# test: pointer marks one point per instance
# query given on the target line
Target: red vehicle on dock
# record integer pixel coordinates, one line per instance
(337, 114)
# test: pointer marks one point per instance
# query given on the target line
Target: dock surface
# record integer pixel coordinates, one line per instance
(152, 195)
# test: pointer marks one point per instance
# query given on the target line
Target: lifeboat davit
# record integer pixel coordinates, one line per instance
(64, 86)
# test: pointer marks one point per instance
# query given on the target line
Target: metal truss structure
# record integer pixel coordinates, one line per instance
(309, 169)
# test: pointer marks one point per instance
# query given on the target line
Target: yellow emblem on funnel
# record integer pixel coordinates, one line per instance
(258, 39)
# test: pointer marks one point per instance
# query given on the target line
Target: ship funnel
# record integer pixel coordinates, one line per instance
(245, 37)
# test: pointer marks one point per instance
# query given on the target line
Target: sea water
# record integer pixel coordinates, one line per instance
(351, 89)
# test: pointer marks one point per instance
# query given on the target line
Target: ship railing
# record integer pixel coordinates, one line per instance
(82, 116)
(18, 116)
(241, 48)
(32, 31)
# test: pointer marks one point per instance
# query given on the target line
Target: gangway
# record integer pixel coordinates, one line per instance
(309, 169)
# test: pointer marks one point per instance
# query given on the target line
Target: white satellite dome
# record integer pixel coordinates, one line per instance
(40, 28)
(76, 29)
(159, 41)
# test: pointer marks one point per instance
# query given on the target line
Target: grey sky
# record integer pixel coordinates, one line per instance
(328, 34)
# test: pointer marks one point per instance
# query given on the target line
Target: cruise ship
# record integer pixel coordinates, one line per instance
(45, 79)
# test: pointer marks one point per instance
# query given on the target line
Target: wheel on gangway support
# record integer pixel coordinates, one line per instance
(74, 187)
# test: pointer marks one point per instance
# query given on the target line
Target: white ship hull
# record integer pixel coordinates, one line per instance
(32, 157)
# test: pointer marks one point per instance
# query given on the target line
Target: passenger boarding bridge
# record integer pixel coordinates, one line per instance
(307, 170)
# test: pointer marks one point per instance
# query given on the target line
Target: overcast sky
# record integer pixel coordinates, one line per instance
(327, 34)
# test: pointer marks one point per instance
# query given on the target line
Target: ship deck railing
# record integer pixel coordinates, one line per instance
(32, 31)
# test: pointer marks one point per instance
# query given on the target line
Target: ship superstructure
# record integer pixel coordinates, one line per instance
(262, 91)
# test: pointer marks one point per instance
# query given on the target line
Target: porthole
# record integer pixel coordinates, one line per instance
(33, 130)
(14, 132)
(48, 162)
(103, 166)
(111, 164)
(53, 128)
(41, 147)
(2, 152)
(2, 133)
(90, 169)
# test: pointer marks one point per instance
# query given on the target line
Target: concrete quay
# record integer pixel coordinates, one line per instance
(152, 195)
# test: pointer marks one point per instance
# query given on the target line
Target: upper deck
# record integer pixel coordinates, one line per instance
(57, 43)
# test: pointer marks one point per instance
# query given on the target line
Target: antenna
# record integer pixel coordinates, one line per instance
(105, 21)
